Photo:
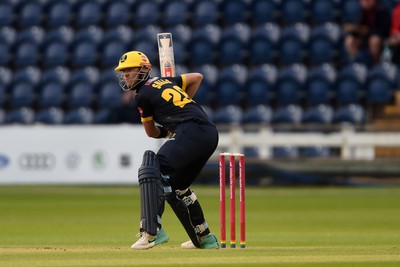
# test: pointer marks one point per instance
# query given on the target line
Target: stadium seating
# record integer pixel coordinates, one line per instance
(233, 43)
(320, 82)
(230, 83)
(230, 114)
(110, 96)
(204, 12)
(263, 44)
(259, 114)
(315, 152)
(4, 54)
(81, 95)
(323, 11)
(294, 11)
(290, 84)
(290, 114)
(58, 74)
(117, 13)
(6, 13)
(22, 95)
(59, 13)
(84, 54)
(261, 84)
(121, 33)
(204, 43)
(174, 12)
(8, 35)
(31, 75)
(63, 34)
(2, 116)
(110, 53)
(324, 43)
(350, 83)
(234, 11)
(3, 94)
(51, 95)
(146, 13)
(263, 11)
(320, 115)
(24, 115)
(6, 76)
(350, 114)
(285, 152)
(55, 54)
(27, 54)
(350, 11)
(52, 116)
(30, 14)
(293, 43)
(87, 13)
(80, 115)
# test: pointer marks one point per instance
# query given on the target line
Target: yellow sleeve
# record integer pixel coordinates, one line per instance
(183, 76)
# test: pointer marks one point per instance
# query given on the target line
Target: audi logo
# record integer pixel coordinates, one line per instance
(37, 161)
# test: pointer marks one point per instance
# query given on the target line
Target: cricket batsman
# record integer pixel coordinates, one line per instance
(167, 110)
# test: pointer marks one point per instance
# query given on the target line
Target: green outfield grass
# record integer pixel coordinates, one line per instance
(95, 226)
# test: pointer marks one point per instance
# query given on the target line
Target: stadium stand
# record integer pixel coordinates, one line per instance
(269, 62)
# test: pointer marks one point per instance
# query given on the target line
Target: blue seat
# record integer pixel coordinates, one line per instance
(320, 82)
(233, 11)
(110, 96)
(52, 95)
(315, 152)
(204, 12)
(81, 95)
(51, 116)
(150, 51)
(8, 35)
(31, 75)
(233, 44)
(87, 13)
(174, 12)
(106, 116)
(386, 71)
(322, 11)
(350, 11)
(30, 14)
(350, 83)
(3, 94)
(350, 114)
(117, 13)
(121, 33)
(27, 54)
(24, 115)
(261, 84)
(63, 34)
(6, 13)
(204, 43)
(84, 54)
(205, 95)
(320, 114)
(263, 45)
(146, 13)
(91, 33)
(209, 111)
(58, 74)
(324, 43)
(293, 43)
(59, 13)
(230, 84)
(181, 33)
(80, 115)
(290, 114)
(294, 11)
(55, 54)
(259, 114)
(111, 52)
(22, 95)
(379, 92)
(34, 34)
(89, 74)
(6, 76)
(4, 54)
(290, 84)
(285, 152)
(230, 114)
(109, 75)
(263, 11)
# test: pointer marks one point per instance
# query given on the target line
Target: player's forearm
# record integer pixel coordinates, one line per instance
(193, 82)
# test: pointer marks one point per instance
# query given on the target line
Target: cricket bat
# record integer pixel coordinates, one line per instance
(166, 54)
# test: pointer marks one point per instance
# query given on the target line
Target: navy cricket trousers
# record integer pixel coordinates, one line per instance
(183, 157)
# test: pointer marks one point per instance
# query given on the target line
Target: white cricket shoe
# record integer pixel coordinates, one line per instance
(145, 241)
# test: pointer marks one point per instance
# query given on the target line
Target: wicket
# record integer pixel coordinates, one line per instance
(222, 206)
